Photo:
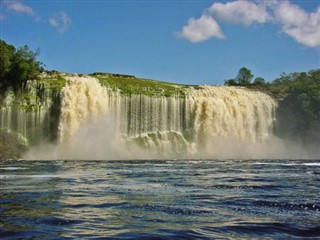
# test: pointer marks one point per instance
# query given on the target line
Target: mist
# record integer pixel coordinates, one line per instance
(100, 139)
(96, 139)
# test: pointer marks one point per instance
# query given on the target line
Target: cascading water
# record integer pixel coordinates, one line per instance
(82, 98)
(197, 124)
(230, 113)
(30, 114)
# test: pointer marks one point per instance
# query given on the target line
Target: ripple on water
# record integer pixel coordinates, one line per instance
(206, 199)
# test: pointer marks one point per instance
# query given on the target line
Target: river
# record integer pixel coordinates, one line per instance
(160, 199)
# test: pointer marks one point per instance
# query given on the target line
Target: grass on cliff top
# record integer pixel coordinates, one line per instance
(128, 84)
(53, 82)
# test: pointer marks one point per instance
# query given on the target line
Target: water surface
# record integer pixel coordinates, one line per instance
(156, 199)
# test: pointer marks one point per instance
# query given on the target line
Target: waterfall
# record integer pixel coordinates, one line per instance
(82, 98)
(230, 113)
(167, 126)
(92, 121)
(30, 114)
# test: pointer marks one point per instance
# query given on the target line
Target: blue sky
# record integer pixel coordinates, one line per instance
(182, 41)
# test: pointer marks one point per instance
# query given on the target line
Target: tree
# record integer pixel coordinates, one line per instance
(230, 82)
(259, 81)
(298, 114)
(17, 66)
(244, 76)
(6, 56)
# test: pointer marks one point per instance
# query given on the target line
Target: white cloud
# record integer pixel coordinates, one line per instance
(237, 12)
(60, 21)
(302, 26)
(199, 30)
(17, 6)
(240, 12)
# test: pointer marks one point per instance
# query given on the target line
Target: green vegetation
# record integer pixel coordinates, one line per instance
(244, 78)
(17, 66)
(298, 114)
(11, 145)
(53, 81)
(37, 93)
(128, 84)
(259, 81)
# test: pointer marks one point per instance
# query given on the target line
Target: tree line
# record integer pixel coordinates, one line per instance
(298, 114)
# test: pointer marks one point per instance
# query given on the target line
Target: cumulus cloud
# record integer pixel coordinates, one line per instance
(19, 7)
(302, 26)
(198, 30)
(60, 21)
(240, 12)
